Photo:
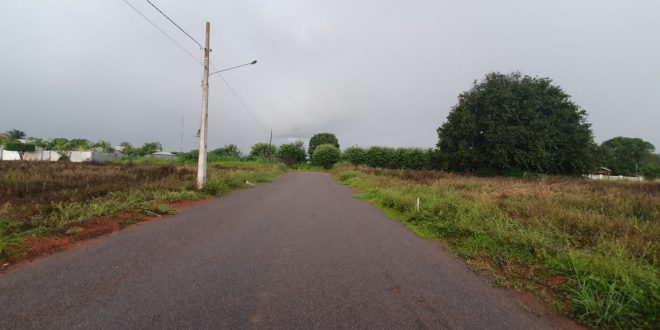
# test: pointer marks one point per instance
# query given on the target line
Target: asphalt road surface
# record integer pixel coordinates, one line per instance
(294, 254)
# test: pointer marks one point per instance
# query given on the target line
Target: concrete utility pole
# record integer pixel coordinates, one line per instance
(201, 164)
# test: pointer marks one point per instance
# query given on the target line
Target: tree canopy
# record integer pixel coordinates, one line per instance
(19, 147)
(292, 153)
(228, 151)
(263, 150)
(326, 155)
(510, 124)
(322, 138)
(624, 155)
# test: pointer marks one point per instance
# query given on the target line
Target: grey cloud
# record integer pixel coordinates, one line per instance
(372, 72)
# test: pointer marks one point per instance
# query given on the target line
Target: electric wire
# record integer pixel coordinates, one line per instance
(177, 25)
(163, 32)
(231, 89)
(245, 107)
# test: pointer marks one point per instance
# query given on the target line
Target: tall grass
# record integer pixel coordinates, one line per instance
(43, 198)
(597, 240)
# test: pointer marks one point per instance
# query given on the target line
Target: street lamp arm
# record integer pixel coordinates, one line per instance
(233, 67)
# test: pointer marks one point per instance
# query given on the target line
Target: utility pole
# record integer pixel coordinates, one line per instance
(181, 144)
(201, 164)
(270, 143)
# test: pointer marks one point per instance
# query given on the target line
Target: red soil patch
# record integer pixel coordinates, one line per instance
(41, 246)
(46, 245)
(556, 280)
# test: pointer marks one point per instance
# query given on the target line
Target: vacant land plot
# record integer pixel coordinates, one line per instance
(40, 199)
(590, 249)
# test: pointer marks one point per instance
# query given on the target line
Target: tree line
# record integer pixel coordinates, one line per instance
(506, 124)
(16, 140)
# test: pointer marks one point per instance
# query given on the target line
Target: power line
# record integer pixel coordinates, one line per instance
(245, 107)
(177, 25)
(163, 32)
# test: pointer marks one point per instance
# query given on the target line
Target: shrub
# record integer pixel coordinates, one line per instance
(397, 158)
(355, 155)
(326, 155)
(322, 138)
(227, 152)
(292, 153)
(262, 150)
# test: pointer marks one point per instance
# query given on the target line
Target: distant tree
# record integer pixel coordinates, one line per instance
(228, 151)
(650, 167)
(127, 147)
(326, 155)
(624, 155)
(38, 142)
(511, 124)
(322, 138)
(61, 146)
(80, 145)
(4, 138)
(292, 153)
(15, 134)
(19, 147)
(355, 155)
(263, 150)
(103, 145)
(148, 148)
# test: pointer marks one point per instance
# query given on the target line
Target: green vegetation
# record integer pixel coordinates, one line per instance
(55, 198)
(630, 157)
(326, 155)
(392, 158)
(263, 151)
(589, 248)
(19, 147)
(322, 138)
(512, 124)
(292, 153)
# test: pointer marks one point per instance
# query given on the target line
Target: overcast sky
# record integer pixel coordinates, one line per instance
(372, 72)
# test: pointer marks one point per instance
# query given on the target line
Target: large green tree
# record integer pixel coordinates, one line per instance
(624, 155)
(322, 138)
(513, 123)
(292, 153)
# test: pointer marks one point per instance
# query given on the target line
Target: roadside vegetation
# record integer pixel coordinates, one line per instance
(590, 249)
(39, 199)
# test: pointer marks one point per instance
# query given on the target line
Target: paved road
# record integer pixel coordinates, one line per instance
(296, 253)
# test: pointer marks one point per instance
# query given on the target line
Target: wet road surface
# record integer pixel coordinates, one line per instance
(297, 253)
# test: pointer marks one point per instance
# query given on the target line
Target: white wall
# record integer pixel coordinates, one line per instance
(49, 155)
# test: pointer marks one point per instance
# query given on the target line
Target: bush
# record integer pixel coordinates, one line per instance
(326, 155)
(292, 153)
(322, 138)
(227, 152)
(262, 150)
(355, 155)
(397, 158)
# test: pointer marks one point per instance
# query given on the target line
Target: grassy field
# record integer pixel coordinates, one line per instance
(39, 199)
(589, 249)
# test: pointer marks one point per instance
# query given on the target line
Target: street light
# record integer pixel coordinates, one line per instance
(233, 67)
(201, 163)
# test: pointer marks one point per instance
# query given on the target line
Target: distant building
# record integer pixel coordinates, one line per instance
(163, 155)
(603, 171)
